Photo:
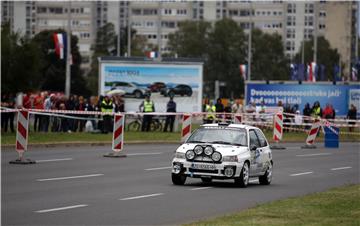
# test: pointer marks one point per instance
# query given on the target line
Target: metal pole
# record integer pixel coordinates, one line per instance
(315, 31)
(159, 41)
(357, 33)
(68, 54)
(129, 30)
(249, 43)
(119, 32)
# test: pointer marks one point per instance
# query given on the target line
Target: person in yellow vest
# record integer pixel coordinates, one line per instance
(210, 109)
(147, 106)
(107, 107)
(316, 110)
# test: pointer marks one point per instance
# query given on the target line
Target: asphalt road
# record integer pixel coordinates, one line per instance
(77, 186)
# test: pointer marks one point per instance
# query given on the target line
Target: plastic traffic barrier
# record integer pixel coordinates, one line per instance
(22, 134)
(313, 132)
(118, 137)
(278, 130)
(186, 127)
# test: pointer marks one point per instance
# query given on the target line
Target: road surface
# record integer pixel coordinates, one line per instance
(77, 186)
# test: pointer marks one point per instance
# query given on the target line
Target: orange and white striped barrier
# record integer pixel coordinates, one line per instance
(186, 127)
(118, 136)
(22, 135)
(313, 132)
(237, 118)
(278, 130)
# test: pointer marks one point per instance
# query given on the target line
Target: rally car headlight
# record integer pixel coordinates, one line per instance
(231, 158)
(208, 150)
(198, 149)
(190, 155)
(179, 155)
(216, 156)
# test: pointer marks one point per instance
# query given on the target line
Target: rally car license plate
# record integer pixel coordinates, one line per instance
(203, 166)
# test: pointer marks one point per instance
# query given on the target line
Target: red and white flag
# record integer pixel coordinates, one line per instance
(59, 40)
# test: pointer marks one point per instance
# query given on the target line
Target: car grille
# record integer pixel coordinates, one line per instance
(203, 171)
(204, 158)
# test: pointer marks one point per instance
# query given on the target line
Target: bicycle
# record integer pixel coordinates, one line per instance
(155, 124)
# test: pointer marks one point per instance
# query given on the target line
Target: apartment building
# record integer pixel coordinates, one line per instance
(295, 21)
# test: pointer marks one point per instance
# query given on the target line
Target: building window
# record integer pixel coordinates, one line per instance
(291, 8)
(322, 26)
(150, 12)
(41, 10)
(136, 11)
(322, 13)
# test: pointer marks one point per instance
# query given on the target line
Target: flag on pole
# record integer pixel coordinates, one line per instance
(151, 54)
(243, 71)
(60, 44)
(312, 72)
(354, 73)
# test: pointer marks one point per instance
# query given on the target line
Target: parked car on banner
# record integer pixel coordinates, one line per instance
(182, 90)
(130, 89)
(224, 151)
(157, 86)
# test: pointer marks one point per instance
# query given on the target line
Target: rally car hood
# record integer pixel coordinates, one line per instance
(224, 149)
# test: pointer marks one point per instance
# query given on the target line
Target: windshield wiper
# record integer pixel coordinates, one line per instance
(225, 142)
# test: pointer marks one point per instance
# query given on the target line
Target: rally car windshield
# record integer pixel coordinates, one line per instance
(231, 136)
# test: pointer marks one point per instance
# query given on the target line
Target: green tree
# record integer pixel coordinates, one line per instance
(53, 68)
(225, 53)
(325, 55)
(268, 58)
(19, 61)
(191, 39)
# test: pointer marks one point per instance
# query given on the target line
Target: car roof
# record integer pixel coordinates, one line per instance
(231, 125)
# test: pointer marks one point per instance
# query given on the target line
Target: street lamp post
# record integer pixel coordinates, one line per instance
(68, 54)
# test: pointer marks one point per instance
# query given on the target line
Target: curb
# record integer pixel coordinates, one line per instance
(84, 143)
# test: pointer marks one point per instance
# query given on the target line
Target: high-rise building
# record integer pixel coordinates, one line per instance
(295, 21)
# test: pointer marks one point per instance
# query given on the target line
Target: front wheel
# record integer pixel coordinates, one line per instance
(178, 179)
(267, 177)
(243, 180)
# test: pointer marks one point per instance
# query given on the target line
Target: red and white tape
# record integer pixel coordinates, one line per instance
(22, 132)
(278, 126)
(237, 118)
(118, 134)
(186, 127)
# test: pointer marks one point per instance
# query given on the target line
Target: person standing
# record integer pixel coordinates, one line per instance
(107, 107)
(170, 107)
(48, 103)
(352, 113)
(210, 109)
(219, 109)
(147, 106)
(39, 105)
(237, 107)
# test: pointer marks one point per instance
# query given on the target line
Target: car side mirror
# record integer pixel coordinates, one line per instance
(253, 148)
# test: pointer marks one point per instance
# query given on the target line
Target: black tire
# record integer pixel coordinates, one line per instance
(243, 180)
(137, 94)
(134, 126)
(267, 177)
(189, 93)
(178, 179)
(206, 179)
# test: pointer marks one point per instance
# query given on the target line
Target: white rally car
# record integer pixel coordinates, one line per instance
(224, 151)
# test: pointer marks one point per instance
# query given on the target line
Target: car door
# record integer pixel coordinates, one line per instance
(265, 152)
(255, 154)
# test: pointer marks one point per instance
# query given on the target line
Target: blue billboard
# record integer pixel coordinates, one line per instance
(339, 96)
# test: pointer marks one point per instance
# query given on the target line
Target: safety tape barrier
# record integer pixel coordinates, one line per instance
(219, 116)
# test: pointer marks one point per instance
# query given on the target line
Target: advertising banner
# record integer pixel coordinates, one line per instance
(182, 81)
(338, 96)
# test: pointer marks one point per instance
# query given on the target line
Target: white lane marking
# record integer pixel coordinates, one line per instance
(71, 177)
(141, 196)
(159, 168)
(252, 181)
(306, 155)
(342, 168)
(54, 160)
(299, 174)
(60, 208)
(139, 154)
(202, 188)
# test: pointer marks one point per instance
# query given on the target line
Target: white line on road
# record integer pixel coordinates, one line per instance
(159, 168)
(60, 208)
(141, 196)
(307, 155)
(54, 160)
(299, 174)
(342, 168)
(202, 188)
(139, 154)
(71, 177)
